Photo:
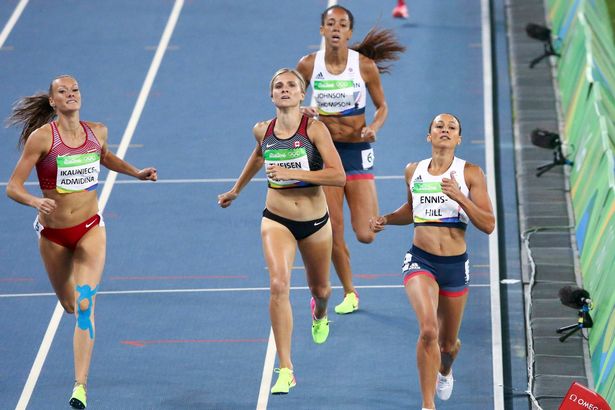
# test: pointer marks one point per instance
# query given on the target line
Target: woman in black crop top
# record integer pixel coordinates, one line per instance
(295, 210)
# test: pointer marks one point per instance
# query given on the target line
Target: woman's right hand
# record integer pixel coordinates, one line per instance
(309, 111)
(45, 205)
(377, 224)
(225, 199)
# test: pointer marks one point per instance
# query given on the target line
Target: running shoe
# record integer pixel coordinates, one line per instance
(349, 304)
(78, 399)
(400, 12)
(320, 327)
(444, 386)
(286, 380)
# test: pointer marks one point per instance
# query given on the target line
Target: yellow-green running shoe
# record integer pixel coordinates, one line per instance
(78, 399)
(320, 327)
(349, 304)
(286, 380)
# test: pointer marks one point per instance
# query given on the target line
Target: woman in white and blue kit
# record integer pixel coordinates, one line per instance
(445, 193)
(341, 77)
(300, 158)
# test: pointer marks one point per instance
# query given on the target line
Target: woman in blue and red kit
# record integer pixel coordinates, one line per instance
(341, 77)
(67, 154)
(445, 193)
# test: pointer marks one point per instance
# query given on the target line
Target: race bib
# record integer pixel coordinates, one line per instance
(367, 158)
(295, 158)
(77, 173)
(335, 96)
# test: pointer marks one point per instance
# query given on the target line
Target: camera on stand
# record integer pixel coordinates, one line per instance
(542, 34)
(579, 299)
(549, 140)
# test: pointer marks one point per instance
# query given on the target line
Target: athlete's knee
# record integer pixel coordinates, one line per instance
(68, 305)
(279, 286)
(339, 246)
(428, 334)
(450, 346)
(336, 219)
(365, 236)
(321, 292)
(84, 306)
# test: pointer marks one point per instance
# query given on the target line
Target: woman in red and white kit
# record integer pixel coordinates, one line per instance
(67, 154)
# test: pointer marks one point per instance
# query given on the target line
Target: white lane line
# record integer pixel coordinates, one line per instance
(268, 366)
(8, 27)
(39, 361)
(204, 290)
(494, 255)
(195, 180)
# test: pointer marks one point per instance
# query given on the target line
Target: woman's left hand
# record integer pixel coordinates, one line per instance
(450, 187)
(148, 174)
(376, 224)
(278, 173)
(368, 134)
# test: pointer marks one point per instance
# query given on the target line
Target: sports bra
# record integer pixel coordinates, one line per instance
(342, 94)
(430, 206)
(67, 169)
(296, 152)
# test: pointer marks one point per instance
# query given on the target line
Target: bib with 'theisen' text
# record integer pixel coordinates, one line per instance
(294, 158)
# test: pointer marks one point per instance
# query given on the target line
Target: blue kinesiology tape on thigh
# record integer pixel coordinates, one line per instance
(83, 316)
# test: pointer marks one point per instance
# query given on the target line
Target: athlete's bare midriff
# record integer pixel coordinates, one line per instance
(72, 209)
(344, 129)
(298, 204)
(441, 241)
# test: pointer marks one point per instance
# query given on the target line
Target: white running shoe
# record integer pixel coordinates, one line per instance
(444, 386)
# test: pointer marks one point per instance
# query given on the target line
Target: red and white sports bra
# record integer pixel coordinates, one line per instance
(67, 169)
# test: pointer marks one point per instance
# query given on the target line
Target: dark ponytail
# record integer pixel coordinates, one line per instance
(380, 45)
(33, 112)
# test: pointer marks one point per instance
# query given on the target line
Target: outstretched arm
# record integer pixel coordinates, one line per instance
(252, 166)
(114, 163)
(402, 215)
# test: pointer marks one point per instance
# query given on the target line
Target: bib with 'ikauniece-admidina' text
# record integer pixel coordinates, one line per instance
(78, 172)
